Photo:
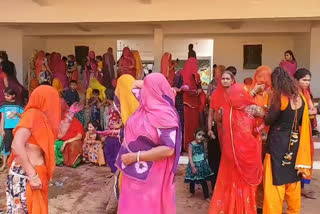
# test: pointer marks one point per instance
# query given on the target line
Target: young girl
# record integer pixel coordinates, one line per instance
(198, 170)
(10, 116)
(92, 147)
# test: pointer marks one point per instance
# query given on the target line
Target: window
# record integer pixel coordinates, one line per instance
(252, 56)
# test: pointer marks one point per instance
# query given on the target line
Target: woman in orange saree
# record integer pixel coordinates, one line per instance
(167, 67)
(241, 166)
(32, 161)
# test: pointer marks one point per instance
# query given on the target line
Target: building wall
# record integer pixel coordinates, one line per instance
(62, 11)
(11, 41)
(31, 43)
(66, 44)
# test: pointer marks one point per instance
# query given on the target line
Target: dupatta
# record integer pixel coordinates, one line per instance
(304, 157)
(238, 128)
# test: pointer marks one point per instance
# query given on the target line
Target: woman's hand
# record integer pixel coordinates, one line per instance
(129, 158)
(35, 182)
(137, 84)
(64, 145)
(258, 88)
(211, 134)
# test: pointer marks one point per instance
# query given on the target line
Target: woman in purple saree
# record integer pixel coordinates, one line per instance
(150, 151)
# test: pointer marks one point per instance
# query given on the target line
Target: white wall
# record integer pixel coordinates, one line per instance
(11, 42)
(29, 44)
(314, 60)
(65, 44)
(229, 50)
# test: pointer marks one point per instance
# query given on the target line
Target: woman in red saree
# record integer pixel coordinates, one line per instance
(191, 100)
(68, 147)
(241, 166)
(167, 67)
(127, 63)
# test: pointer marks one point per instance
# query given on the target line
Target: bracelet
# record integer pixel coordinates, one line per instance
(253, 93)
(138, 157)
(33, 177)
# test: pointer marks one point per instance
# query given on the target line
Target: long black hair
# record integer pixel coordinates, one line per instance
(283, 84)
(291, 54)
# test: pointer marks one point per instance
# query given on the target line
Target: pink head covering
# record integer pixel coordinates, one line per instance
(126, 52)
(157, 110)
(92, 55)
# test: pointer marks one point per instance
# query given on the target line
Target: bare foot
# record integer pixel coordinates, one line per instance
(208, 200)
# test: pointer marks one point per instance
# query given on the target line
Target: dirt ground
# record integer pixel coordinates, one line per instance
(84, 191)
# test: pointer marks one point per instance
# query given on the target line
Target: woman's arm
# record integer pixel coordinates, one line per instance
(312, 108)
(210, 120)
(273, 114)
(76, 138)
(6, 83)
(154, 154)
(18, 146)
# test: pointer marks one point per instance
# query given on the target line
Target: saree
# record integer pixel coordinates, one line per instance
(150, 188)
(139, 68)
(191, 100)
(108, 69)
(39, 62)
(44, 105)
(240, 169)
(56, 83)
(289, 66)
(90, 69)
(59, 69)
(95, 84)
(127, 101)
(167, 67)
(72, 151)
(127, 63)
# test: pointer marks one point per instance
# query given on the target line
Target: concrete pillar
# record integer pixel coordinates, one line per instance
(157, 49)
(11, 41)
(315, 60)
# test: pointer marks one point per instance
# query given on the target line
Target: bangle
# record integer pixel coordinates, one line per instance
(253, 93)
(33, 177)
(138, 157)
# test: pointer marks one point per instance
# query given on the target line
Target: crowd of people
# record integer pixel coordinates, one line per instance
(110, 113)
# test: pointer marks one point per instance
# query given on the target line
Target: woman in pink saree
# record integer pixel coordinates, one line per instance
(150, 151)
(289, 63)
(240, 170)
(127, 63)
(59, 69)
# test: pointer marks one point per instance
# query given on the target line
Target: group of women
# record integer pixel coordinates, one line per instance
(273, 111)
(275, 104)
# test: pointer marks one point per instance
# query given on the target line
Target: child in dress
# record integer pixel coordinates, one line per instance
(198, 170)
(10, 117)
(92, 147)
